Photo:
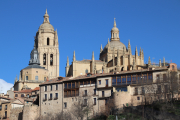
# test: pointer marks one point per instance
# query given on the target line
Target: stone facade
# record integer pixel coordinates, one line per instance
(125, 88)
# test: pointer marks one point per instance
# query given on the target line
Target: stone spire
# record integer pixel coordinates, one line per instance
(136, 52)
(74, 57)
(164, 63)
(129, 48)
(67, 64)
(114, 32)
(160, 63)
(34, 56)
(46, 17)
(140, 52)
(93, 56)
(149, 61)
(101, 49)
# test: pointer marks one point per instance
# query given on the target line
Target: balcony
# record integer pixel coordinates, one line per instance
(44, 99)
(55, 98)
(136, 93)
(50, 98)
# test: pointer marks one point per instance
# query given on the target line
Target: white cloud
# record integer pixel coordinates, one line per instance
(5, 86)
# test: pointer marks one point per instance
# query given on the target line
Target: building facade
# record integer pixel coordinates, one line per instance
(126, 88)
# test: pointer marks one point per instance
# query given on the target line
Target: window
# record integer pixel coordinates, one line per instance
(36, 77)
(56, 86)
(56, 96)
(113, 80)
(50, 98)
(99, 82)
(73, 85)
(129, 79)
(47, 41)
(94, 91)
(5, 107)
(65, 85)
(150, 76)
(157, 77)
(173, 67)
(45, 88)
(0, 107)
(94, 101)
(143, 91)
(77, 84)
(51, 59)
(115, 35)
(106, 83)
(22, 95)
(102, 93)
(85, 92)
(136, 91)
(85, 102)
(138, 98)
(16, 95)
(51, 87)
(164, 77)
(5, 114)
(77, 92)
(73, 93)
(69, 85)
(45, 96)
(44, 59)
(44, 78)
(86, 71)
(166, 88)
(123, 80)
(119, 80)
(134, 79)
(65, 104)
(159, 89)
(106, 101)
(26, 77)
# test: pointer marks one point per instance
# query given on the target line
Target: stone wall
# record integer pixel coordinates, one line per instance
(16, 113)
(30, 112)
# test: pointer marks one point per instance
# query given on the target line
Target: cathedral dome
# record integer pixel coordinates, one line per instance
(115, 44)
(46, 26)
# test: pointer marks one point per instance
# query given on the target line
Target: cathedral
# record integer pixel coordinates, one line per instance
(44, 58)
(114, 57)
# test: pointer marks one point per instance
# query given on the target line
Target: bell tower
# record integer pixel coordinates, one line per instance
(48, 47)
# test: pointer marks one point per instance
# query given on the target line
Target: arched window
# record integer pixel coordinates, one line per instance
(51, 59)
(47, 41)
(22, 95)
(44, 59)
(36, 77)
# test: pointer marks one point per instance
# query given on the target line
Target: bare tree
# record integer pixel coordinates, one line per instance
(82, 108)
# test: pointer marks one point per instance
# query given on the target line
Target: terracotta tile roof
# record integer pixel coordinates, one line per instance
(2, 97)
(55, 80)
(20, 99)
(36, 89)
(24, 91)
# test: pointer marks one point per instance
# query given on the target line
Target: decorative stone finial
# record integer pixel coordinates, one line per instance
(74, 57)
(114, 22)
(160, 63)
(101, 49)
(67, 64)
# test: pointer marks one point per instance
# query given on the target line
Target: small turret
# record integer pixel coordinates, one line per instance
(129, 48)
(67, 64)
(46, 17)
(93, 56)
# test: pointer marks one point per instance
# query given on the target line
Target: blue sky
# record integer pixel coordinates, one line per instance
(83, 25)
